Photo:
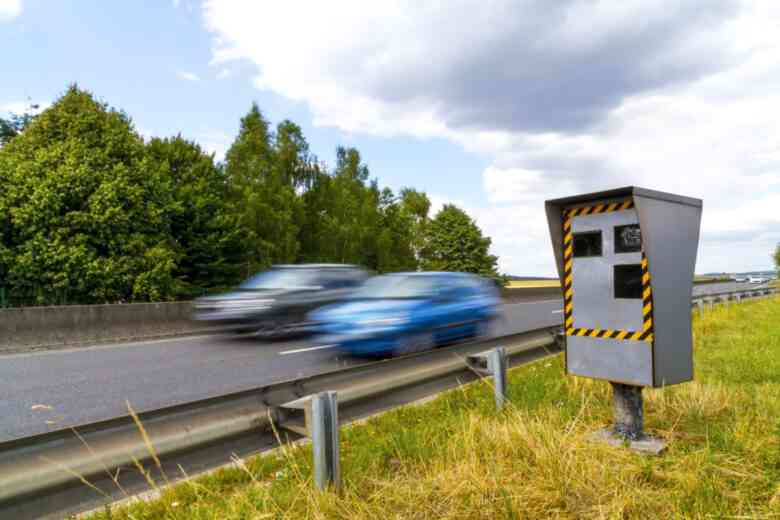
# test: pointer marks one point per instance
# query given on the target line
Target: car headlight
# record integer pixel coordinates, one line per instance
(383, 322)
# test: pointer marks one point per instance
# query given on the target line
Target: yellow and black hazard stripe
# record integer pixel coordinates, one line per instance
(647, 302)
(646, 334)
(612, 334)
(607, 207)
(568, 255)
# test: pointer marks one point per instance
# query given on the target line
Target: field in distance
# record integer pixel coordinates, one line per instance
(532, 284)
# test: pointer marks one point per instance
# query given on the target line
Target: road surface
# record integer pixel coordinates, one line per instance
(40, 392)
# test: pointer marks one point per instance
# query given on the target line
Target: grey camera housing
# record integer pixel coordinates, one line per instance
(627, 289)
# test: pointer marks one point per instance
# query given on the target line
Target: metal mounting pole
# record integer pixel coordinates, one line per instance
(325, 440)
(629, 415)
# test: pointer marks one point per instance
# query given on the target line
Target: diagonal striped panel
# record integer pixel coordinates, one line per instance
(611, 334)
(594, 210)
(646, 334)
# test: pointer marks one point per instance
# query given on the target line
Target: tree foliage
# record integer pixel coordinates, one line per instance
(453, 242)
(90, 213)
(84, 210)
(776, 258)
(262, 173)
(203, 224)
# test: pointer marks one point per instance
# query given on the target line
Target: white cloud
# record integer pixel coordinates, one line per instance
(10, 9)
(187, 76)
(223, 73)
(176, 3)
(562, 98)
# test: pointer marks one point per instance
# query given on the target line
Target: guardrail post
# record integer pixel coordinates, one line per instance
(496, 363)
(492, 363)
(325, 440)
(320, 422)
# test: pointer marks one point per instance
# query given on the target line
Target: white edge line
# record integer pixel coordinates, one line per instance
(308, 349)
(557, 312)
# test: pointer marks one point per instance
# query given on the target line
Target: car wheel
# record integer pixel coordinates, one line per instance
(279, 329)
(412, 343)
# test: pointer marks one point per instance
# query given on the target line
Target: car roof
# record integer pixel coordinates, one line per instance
(316, 266)
(443, 274)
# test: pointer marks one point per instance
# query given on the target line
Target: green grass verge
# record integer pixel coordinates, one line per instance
(456, 457)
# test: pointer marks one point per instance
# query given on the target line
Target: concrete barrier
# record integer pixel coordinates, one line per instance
(30, 328)
(526, 294)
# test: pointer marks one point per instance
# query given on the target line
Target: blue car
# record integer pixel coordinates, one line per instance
(401, 313)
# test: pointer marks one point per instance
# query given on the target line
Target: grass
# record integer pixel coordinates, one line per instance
(457, 458)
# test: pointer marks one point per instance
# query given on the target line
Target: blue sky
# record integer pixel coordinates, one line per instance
(137, 57)
(496, 105)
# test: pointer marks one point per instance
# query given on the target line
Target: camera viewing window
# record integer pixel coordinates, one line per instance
(628, 239)
(587, 244)
(628, 281)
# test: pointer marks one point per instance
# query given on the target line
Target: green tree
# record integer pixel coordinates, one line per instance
(454, 242)
(395, 239)
(342, 214)
(776, 257)
(415, 205)
(83, 210)
(294, 163)
(202, 222)
(264, 191)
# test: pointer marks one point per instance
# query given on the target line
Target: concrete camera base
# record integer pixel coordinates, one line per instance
(646, 445)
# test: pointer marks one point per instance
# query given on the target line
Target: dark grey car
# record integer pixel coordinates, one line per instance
(275, 302)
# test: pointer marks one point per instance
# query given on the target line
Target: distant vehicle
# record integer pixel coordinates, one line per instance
(401, 313)
(740, 278)
(757, 279)
(275, 302)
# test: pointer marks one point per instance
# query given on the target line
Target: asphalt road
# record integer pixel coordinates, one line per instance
(40, 392)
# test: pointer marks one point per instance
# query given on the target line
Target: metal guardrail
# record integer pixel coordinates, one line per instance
(35, 469)
(725, 297)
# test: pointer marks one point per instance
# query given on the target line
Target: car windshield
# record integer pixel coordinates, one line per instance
(281, 279)
(394, 286)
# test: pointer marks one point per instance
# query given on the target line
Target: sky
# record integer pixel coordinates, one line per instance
(495, 106)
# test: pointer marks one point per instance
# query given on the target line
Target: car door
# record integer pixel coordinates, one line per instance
(454, 307)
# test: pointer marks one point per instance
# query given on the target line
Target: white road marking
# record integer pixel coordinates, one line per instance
(534, 303)
(557, 312)
(308, 349)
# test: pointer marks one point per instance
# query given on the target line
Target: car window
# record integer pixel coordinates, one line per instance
(340, 279)
(456, 288)
(395, 286)
(281, 279)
